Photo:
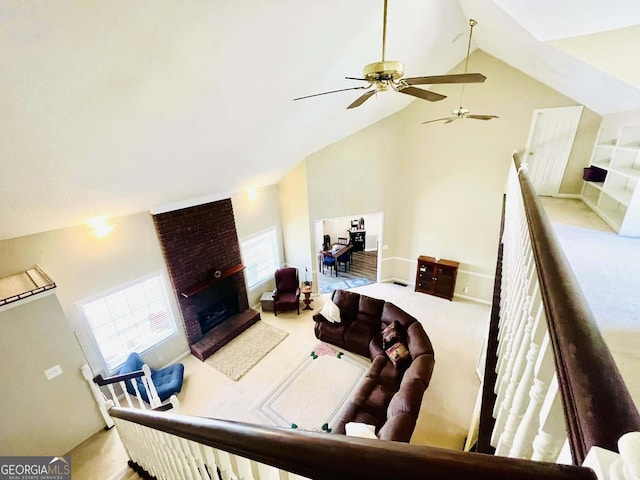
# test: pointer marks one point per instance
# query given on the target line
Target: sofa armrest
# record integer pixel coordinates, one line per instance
(318, 317)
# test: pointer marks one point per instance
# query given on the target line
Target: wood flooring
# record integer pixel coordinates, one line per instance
(364, 265)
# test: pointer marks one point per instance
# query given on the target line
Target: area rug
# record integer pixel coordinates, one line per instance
(242, 353)
(345, 284)
(314, 395)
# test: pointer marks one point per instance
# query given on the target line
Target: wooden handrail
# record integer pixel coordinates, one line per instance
(330, 456)
(597, 404)
(100, 380)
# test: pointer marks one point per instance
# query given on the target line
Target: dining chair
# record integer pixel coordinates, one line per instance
(347, 258)
(330, 262)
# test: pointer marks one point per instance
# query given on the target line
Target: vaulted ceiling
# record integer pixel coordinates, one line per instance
(110, 108)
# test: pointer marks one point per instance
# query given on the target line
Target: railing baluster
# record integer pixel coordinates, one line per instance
(211, 462)
(126, 394)
(551, 434)
(114, 397)
(141, 403)
(521, 381)
(528, 428)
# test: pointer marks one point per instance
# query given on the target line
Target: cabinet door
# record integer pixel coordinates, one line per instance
(445, 281)
(425, 281)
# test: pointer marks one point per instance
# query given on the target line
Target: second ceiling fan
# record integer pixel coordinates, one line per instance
(461, 112)
(387, 75)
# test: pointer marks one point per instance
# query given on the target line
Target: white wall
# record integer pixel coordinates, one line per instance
(40, 416)
(83, 265)
(296, 225)
(254, 215)
(440, 186)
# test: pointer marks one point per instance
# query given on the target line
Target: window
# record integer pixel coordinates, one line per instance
(130, 319)
(260, 255)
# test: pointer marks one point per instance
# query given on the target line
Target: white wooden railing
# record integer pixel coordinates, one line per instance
(556, 383)
(112, 391)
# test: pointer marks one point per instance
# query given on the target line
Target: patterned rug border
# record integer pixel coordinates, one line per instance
(262, 408)
(345, 284)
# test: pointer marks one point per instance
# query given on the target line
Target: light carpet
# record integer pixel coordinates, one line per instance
(243, 352)
(607, 267)
(316, 392)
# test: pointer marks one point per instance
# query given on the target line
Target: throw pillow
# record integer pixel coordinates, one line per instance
(391, 335)
(398, 354)
(356, 429)
(330, 311)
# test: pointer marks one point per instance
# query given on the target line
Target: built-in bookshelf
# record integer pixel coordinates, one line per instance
(617, 150)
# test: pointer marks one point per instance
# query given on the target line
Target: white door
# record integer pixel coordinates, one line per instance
(549, 145)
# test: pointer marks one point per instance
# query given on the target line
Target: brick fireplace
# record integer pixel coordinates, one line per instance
(202, 252)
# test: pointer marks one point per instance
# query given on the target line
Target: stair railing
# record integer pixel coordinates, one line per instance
(116, 389)
(172, 446)
(556, 383)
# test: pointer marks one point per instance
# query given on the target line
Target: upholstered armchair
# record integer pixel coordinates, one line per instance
(286, 296)
(167, 381)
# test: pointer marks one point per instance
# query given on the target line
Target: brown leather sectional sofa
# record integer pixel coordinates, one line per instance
(389, 397)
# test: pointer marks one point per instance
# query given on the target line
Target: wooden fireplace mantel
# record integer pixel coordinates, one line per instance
(210, 282)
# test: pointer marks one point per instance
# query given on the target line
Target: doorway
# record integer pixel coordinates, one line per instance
(549, 145)
(363, 233)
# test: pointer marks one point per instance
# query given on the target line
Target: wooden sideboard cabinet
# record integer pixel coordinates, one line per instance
(436, 276)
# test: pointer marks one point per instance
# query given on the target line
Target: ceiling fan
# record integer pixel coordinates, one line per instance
(386, 74)
(461, 112)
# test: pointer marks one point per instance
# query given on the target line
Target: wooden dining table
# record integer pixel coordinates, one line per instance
(337, 252)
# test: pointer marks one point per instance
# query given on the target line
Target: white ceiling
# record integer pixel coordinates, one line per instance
(110, 108)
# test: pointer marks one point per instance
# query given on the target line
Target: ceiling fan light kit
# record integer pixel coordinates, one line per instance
(387, 75)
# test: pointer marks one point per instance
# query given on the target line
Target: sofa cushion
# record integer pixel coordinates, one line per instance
(347, 302)
(382, 371)
(356, 337)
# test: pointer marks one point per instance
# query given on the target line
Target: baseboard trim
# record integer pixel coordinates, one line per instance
(577, 196)
(471, 299)
(178, 358)
(481, 275)
(460, 270)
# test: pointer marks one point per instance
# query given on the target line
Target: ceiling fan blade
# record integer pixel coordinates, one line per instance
(424, 94)
(356, 78)
(451, 119)
(362, 98)
(454, 78)
(448, 119)
(482, 117)
(332, 91)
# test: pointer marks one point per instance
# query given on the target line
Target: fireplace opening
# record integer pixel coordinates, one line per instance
(217, 304)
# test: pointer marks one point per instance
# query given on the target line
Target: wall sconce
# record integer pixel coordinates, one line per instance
(252, 193)
(100, 227)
